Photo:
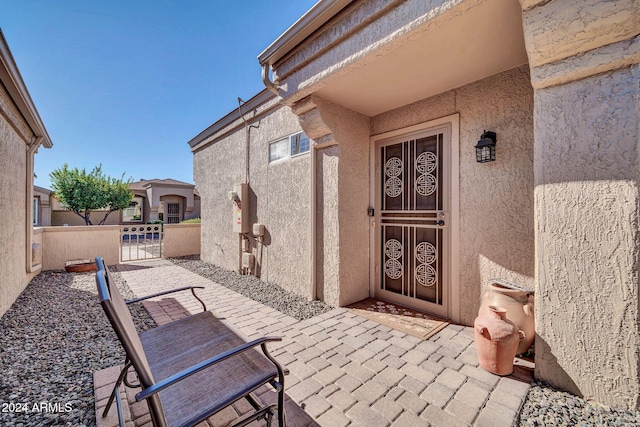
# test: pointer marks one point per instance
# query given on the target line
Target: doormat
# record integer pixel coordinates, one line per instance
(409, 321)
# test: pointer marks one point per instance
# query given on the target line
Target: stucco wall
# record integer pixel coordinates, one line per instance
(181, 240)
(278, 198)
(62, 244)
(588, 218)
(342, 197)
(14, 136)
(62, 217)
(496, 199)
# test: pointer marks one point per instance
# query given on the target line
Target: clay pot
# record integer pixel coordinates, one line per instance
(80, 266)
(497, 341)
(519, 306)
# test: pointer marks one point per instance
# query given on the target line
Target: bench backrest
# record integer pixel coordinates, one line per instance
(119, 316)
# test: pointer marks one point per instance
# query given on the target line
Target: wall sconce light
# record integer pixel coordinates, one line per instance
(486, 147)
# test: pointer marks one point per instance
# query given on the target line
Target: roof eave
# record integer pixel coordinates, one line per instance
(253, 103)
(315, 17)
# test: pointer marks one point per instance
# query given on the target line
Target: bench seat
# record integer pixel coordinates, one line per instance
(191, 368)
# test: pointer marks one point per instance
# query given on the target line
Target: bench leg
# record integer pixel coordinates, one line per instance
(281, 416)
(115, 394)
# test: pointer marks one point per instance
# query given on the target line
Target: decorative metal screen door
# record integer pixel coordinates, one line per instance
(412, 207)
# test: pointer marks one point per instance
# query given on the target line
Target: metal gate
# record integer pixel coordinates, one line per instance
(412, 205)
(141, 242)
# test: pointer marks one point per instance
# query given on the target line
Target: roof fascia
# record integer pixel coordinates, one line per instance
(12, 80)
(315, 17)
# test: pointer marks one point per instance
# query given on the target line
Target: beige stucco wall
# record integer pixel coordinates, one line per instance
(62, 244)
(587, 217)
(278, 198)
(14, 136)
(62, 217)
(342, 198)
(181, 240)
(496, 199)
(584, 60)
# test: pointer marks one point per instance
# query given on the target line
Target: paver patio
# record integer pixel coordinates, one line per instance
(345, 370)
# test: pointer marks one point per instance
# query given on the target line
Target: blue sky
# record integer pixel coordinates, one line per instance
(129, 83)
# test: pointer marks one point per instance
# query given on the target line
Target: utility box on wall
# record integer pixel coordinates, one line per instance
(240, 198)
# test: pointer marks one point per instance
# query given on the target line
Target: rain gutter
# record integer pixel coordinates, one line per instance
(311, 21)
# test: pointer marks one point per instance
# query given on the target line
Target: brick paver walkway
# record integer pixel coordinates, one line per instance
(345, 370)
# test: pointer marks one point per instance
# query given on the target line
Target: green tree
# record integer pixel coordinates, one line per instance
(84, 192)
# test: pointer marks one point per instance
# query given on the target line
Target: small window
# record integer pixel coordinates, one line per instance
(278, 150)
(299, 144)
(134, 212)
(288, 147)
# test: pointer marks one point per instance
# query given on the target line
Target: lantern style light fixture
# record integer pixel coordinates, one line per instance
(486, 147)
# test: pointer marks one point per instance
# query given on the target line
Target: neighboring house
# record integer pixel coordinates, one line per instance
(386, 197)
(167, 200)
(21, 133)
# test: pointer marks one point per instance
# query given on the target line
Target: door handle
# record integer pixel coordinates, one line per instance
(440, 222)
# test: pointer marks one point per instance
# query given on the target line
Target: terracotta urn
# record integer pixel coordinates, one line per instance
(519, 306)
(497, 340)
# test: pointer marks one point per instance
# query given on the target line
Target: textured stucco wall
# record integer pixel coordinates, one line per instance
(351, 132)
(587, 214)
(327, 224)
(279, 198)
(342, 183)
(584, 65)
(181, 240)
(563, 28)
(62, 244)
(496, 199)
(14, 135)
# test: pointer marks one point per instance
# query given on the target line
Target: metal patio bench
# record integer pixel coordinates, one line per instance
(191, 368)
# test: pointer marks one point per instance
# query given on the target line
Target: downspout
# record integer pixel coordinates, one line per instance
(247, 141)
(31, 149)
(267, 81)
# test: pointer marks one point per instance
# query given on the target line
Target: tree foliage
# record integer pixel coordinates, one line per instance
(84, 192)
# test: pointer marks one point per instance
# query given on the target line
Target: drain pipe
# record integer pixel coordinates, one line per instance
(266, 80)
(31, 150)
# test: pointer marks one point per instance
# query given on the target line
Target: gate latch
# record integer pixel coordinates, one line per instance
(370, 212)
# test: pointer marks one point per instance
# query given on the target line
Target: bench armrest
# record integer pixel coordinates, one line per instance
(184, 288)
(148, 392)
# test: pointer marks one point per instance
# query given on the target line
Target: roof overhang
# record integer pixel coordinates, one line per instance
(315, 17)
(15, 86)
(371, 60)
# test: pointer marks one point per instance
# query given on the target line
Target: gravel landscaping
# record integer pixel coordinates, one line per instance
(546, 406)
(52, 340)
(256, 289)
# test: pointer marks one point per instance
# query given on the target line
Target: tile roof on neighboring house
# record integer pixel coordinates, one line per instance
(145, 183)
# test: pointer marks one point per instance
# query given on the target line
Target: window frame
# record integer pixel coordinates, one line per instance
(289, 143)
